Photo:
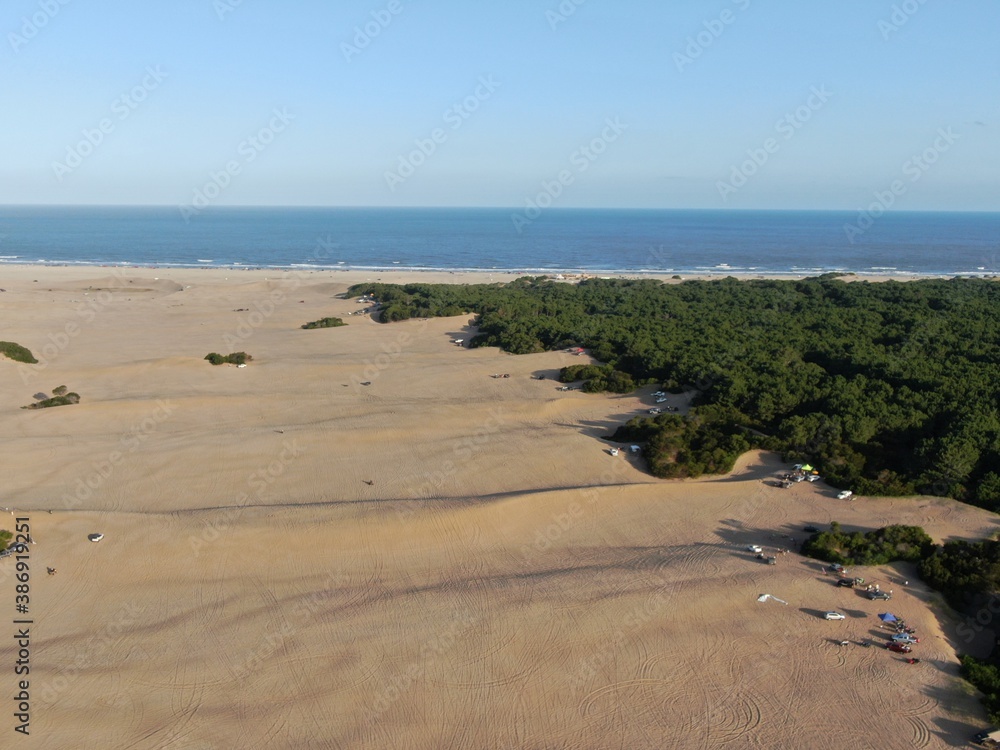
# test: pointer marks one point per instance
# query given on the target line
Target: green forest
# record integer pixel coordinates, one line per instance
(892, 388)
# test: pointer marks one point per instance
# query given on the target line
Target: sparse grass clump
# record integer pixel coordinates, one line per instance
(325, 323)
(60, 397)
(236, 358)
(17, 353)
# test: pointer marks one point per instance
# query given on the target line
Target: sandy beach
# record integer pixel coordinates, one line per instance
(438, 559)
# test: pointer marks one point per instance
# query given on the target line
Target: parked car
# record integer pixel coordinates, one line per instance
(846, 494)
(904, 638)
(834, 616)
(95, 537)
(987, 737)
(846, 582)
(811, 530)
(755, 548)
(876, 595)
(899, 648)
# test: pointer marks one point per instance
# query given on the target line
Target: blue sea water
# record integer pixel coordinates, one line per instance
(765, 242)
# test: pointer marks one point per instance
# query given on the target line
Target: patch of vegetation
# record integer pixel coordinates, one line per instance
(5, 538)
(325, 323)
(598, 378)
(985, 676)
(892, 388)
(967, 574)
(236, 358)
(879, 547)
(59, 397)
(17, 353)
(678, 447)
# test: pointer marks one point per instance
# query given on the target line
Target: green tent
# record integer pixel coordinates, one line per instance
(807, 467)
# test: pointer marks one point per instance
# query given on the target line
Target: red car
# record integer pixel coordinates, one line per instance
(899, 648)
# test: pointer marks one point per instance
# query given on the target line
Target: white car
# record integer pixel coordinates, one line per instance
(661, 400)
(844, 495)
(833, 616)
(755, 548)
(95, 537)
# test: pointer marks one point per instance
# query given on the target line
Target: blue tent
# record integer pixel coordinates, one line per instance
(887, 617)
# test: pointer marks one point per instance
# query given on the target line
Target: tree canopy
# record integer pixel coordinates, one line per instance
(892, 387)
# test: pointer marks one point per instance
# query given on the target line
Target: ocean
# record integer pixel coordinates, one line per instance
(564, 240)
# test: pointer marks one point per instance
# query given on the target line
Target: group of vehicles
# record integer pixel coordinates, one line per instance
(759, 554)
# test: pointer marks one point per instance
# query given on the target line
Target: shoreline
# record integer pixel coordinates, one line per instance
(354, 274)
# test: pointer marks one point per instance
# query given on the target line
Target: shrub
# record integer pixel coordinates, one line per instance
(17, 353)
(325, 323)
(879, 547)
(69, 398)
(236, 358)
(985, 677)
(60, 391)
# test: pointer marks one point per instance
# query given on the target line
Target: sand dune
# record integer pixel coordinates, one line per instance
(501, 582)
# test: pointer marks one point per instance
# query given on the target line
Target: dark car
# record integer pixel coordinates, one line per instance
(810, 529)
(846, 582)
(987, 736)
(899, 648)
(884, 595)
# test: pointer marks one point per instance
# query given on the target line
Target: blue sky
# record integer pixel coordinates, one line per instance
(713, 104)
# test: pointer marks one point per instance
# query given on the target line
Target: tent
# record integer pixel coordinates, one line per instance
(887, 617)
(807, 467)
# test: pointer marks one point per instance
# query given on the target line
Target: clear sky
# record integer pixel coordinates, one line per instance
(712, 104)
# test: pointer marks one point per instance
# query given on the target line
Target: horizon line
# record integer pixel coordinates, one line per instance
(552, 209)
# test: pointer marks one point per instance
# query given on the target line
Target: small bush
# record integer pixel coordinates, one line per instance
(60, 391)
(17, 353)
(986, 678)
(69, 398)
(236, 358)
(879, 547)
(325, 323)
